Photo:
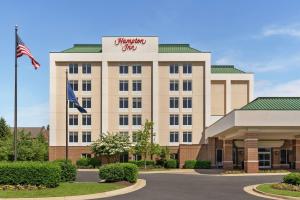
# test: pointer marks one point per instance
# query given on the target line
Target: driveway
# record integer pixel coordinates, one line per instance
(189, 187)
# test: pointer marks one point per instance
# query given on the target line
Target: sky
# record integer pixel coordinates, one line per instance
(256, 36)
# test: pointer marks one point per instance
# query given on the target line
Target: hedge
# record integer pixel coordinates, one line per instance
(68, 170)
(171, 163)
(292, 178)
(30, 173)
(141, 163)
(119, 172)
(88, 162)
(197, 164)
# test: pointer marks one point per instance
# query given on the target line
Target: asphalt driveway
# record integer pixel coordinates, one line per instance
(189, 187)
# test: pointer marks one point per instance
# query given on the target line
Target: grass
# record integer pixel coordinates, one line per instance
(267, 188)
(64, 189)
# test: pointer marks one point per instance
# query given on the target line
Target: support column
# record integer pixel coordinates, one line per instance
(227, 152)
(297, 152)
(251, 153)
(212, 151)
(276, 158)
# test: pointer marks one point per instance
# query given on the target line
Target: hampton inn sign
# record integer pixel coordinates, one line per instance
(129, 44)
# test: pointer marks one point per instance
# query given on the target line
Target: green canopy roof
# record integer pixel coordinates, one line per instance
(273, 103)
(225, 69)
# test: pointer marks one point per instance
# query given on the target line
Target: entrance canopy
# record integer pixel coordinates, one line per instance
(272, 118)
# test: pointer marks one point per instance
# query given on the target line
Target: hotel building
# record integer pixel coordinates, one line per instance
(200, 111)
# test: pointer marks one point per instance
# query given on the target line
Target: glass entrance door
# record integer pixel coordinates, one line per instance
(264, 158)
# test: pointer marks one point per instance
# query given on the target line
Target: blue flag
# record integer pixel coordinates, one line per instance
(72, 98)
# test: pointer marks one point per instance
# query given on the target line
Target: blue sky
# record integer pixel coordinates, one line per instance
(258, 36)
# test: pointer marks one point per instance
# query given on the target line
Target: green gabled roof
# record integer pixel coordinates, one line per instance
(273, 103)
(163, 48)
(225, 69)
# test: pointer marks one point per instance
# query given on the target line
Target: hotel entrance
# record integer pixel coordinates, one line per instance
(264, 158)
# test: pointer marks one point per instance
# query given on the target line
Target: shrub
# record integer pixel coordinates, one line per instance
(68, 170)
(292, 178)
(197, 164)
(30, 173)
(83, 162)
(94, 162)
(119, 172)
(171, 163)
(141, 163)
(161, 162)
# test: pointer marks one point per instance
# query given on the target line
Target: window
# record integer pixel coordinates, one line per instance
(86, 68)
(86, 120)
(187, 68)
(86, 137)
(123, 102)
(123, 85)
(187, 85)
(123, 120)
(174, 102)
(71, 104)
(187, 102)
(123, 133)
(73, 137)
(86, 102)
(137, 85)
(86, 85)
(284, 156)
(136, 120)
(136, 102)
(137, 157)
(174, 136)
(174, 85)
(174, 69)
(73, 68)
(73, 120)
(86, 155)
(123, 69)
(136, 69)
(187, 119)
(174, 119)
(135, 137)
(74, 85)
(187, 137)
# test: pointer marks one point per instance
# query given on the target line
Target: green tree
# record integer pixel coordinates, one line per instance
(111, 145)
(4, 128)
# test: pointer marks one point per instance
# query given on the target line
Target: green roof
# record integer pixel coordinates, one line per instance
(273, 103)
(163, 48)
(225, 69)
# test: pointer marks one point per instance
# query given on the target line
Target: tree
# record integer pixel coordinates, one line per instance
(4, 128)
(111, 145)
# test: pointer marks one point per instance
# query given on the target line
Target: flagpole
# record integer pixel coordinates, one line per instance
(16, 97)
(67, 123)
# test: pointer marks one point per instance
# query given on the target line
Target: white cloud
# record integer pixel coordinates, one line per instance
(292, 30)
(267, 88)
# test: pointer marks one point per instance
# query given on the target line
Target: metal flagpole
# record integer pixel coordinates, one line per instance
(16, 96)
(67, 123)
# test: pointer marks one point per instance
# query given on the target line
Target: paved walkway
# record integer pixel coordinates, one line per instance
(190, 186)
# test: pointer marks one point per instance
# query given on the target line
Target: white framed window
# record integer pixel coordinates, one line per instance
(86, 120)
(136, 102)
(73, 120)
(86, 102)
(136, 120)
(187, 137)
(86, 155)
(86, 136)
(187, 119)
(74, 85)
(174, 85)
(86, 85)
(73, 137)
(123, 85)
(174, 69)
(174, 120)
(124, 133)
(187, 102)
(187, 68)
(174, 136)
(174, 102)
(136, 69)
(73, 68)
(123, 120)
(123, 102)
(86, 68)
(187, 85)
(123, 69)
(136, 85)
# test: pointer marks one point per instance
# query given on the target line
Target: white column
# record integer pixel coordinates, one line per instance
(104, 96)
(155, 99)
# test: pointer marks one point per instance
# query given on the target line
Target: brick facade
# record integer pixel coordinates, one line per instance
(59, 152)
(251, 153)
(227, 155)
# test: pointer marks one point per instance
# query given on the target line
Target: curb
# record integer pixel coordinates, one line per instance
(252, 189)
(257, 174)
(138, 185)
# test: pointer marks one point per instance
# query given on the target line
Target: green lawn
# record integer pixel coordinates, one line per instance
(268, 189)
(64, 189)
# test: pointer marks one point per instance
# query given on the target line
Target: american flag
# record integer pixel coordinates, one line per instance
(23, 50)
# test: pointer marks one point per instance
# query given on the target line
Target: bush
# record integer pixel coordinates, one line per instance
(141, 163)
(119, 172)
(30, 173)
(292, 178)
(88, 163)
(83, 162)
(68, 170)
(197, 164)
(94, 162)
(171, 163)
